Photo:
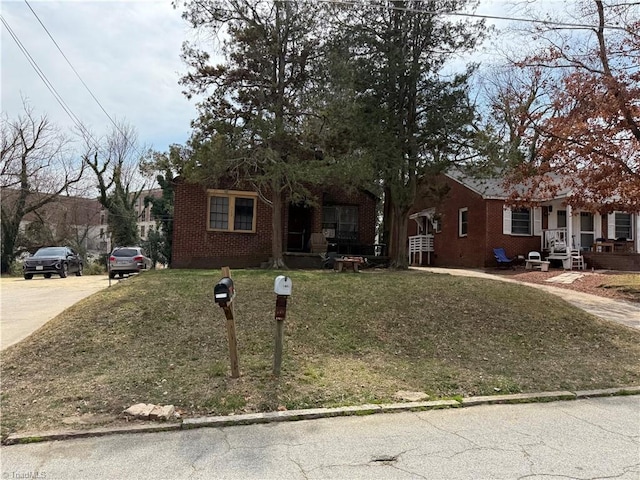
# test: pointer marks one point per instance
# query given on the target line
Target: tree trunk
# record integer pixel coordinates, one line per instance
(276, 261)
(400, 259)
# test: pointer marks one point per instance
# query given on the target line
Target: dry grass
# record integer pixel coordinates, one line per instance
(627, 284)
(159, 338)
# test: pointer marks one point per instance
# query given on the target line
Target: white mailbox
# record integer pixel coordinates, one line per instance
(282, 285)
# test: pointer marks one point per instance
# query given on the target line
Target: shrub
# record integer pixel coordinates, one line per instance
(95, 268)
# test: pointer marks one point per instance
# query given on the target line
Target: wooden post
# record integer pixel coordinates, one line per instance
(231, 331)
(281, 312)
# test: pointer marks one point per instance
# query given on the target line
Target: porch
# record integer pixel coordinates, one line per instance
(602, 254)
(419, 244)
(426, 224)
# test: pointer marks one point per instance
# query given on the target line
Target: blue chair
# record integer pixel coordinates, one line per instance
(502, 259)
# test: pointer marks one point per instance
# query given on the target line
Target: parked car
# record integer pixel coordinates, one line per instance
(52, 260)
(127, 260)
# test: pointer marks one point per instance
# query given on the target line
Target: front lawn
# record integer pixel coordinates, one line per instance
(349, 339)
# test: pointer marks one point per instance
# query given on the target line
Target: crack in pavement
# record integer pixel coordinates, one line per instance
(557, 475)
(631, 438)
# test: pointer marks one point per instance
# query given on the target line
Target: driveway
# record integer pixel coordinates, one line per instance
(26, 305)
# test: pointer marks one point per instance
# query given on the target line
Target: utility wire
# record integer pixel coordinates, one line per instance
(473, 15)
(127, 139)
(76, 121)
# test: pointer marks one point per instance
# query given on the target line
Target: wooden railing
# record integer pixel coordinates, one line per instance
(419, 244)
(554, 240)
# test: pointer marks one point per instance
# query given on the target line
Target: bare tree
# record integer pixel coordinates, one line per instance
(116, 165)
(37, 165)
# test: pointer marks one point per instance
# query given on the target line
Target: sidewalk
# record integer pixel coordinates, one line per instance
(620, 311)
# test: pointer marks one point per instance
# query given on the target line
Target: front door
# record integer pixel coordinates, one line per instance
(587, 230)
(299, 232)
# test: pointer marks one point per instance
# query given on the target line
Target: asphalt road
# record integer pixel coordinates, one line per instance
(581, 439)
(26, 305)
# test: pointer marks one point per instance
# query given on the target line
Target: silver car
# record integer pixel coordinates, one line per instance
(127, 260)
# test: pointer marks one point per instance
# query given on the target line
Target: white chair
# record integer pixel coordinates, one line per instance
(534, 260)
(577, 260)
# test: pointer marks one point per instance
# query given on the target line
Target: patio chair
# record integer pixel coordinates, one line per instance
(502, 259)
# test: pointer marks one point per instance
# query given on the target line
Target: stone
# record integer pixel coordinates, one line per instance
(410, 396)
(139, 410)
(162, 412)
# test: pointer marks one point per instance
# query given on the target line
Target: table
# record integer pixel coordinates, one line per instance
(602, 247)
(353, 263)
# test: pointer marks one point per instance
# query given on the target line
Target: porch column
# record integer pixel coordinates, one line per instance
(637, 242)
(569, 228)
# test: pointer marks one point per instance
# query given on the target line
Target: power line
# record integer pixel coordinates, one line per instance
(76, 121)
(82, 81)
(475, 15)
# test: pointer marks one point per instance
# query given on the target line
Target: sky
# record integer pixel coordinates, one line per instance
(127, 53)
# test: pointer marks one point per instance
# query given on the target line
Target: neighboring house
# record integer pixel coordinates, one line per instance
(83, 220)
(67, 217)
(475, 217)
(215, 227)
(146, 221)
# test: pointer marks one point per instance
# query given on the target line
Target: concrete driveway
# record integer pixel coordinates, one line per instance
(26, 305)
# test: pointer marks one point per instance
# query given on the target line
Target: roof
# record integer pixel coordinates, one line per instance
(494, 188)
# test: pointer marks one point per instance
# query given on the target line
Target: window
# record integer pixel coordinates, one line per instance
(232, 211)
(562, 219)
(341, 221)
(623, 226)
(463, 222)
(141, 231)
(102, 233)
(521, 221)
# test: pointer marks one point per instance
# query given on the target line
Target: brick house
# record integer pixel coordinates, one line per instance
(66, 218)
(474, 218)
(215, 227)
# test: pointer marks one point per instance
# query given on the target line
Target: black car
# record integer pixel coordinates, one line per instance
(52, 260)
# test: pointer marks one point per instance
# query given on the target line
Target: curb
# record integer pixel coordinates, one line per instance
(315, 413)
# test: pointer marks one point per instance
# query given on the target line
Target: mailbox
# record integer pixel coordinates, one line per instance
(224, 292)
(282, 285)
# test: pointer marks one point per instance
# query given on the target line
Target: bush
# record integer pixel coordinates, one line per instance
(16, 269)
(95, 268)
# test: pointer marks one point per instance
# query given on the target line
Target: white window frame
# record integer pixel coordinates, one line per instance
(535, 218)
(232, 195)
(611, 220)
(462, 211)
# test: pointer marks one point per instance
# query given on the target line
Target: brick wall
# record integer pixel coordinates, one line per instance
(195, 247)
(629, 262)
(484, 232)
(512, 244)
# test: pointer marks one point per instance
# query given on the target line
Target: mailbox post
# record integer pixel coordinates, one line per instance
(282, 288)
(223, 294)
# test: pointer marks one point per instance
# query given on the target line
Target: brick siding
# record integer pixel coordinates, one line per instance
(195, 247)
(484, 231)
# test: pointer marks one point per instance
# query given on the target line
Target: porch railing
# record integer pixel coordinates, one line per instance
(554, 240)
(419, 244)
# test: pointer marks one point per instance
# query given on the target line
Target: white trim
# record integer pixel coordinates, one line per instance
(506, 220)
(611, 225)
(460, 212)
(537, 221)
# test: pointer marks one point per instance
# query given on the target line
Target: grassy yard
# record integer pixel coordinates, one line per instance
(626, 283)
(349, 339)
